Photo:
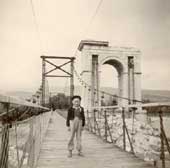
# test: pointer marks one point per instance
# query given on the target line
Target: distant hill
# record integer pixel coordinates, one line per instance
(152, 95)
(77, 90)
(156, 95)
(20, 94)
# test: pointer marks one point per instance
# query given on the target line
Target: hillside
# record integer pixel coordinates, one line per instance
(152, 95)
(20, 94)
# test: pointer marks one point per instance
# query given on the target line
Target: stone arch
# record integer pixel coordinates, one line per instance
(120, 67)
(115, 62)
(126, 60)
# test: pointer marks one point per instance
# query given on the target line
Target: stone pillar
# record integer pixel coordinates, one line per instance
(131, 93)
(141, 115)
(86, 97)
(124, 83)
(120, 88)
(95, 81)
(99, 87)
(86, 76)
(137, 85)
(137, 78)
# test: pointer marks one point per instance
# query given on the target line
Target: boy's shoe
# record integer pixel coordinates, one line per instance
(70, 154)
(80, 154)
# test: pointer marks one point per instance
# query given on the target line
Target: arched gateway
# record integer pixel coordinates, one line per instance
(127, 63)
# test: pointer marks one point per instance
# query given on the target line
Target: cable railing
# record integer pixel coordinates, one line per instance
(22, 128)
(125, 127)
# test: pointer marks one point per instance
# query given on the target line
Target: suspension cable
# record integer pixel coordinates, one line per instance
(94, 15)
(90, 22)
(36, 25)
(82, 82)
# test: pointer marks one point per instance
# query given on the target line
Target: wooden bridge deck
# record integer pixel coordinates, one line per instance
(97, 153)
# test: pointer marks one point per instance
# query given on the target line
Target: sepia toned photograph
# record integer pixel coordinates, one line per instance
(84, 84)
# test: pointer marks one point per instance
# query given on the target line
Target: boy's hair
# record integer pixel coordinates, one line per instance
(76, 97)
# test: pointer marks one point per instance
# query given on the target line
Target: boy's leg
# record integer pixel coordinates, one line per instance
(71, 140)
(78, 137)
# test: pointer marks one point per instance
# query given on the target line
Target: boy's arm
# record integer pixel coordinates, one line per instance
(83, 118)
(68, 118)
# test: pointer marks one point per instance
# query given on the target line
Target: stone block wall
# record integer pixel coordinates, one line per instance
(144, 137)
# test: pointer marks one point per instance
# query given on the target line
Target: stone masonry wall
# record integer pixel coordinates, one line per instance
(145, 139)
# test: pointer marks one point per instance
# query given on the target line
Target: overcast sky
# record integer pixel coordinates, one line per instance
(62, 24)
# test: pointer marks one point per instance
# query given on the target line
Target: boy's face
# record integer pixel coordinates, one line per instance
(76, 102)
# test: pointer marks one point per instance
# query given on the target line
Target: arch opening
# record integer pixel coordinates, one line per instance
(111, 81)
(108, 84)
(116, 64)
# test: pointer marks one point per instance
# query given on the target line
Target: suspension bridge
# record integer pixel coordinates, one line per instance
(122, 135)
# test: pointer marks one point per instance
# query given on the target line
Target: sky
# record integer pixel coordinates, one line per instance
(58, 26)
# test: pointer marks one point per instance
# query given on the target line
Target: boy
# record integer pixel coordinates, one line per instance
(77, 118)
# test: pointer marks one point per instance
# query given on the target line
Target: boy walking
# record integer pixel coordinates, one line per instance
(75, 123)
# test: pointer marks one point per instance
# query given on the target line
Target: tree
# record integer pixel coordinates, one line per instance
(60, 101)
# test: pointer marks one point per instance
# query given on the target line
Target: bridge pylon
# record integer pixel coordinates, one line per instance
(47, 74)
(126, 60)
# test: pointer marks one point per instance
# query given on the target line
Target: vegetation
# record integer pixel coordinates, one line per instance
(60, 101)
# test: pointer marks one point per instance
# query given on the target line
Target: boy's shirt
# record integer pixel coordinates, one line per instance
(72, 113)
(77, 112)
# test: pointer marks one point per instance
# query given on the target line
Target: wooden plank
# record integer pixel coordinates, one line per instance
(97, 153)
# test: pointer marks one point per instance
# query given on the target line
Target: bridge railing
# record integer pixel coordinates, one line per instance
(125, 127)
(23, 126)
